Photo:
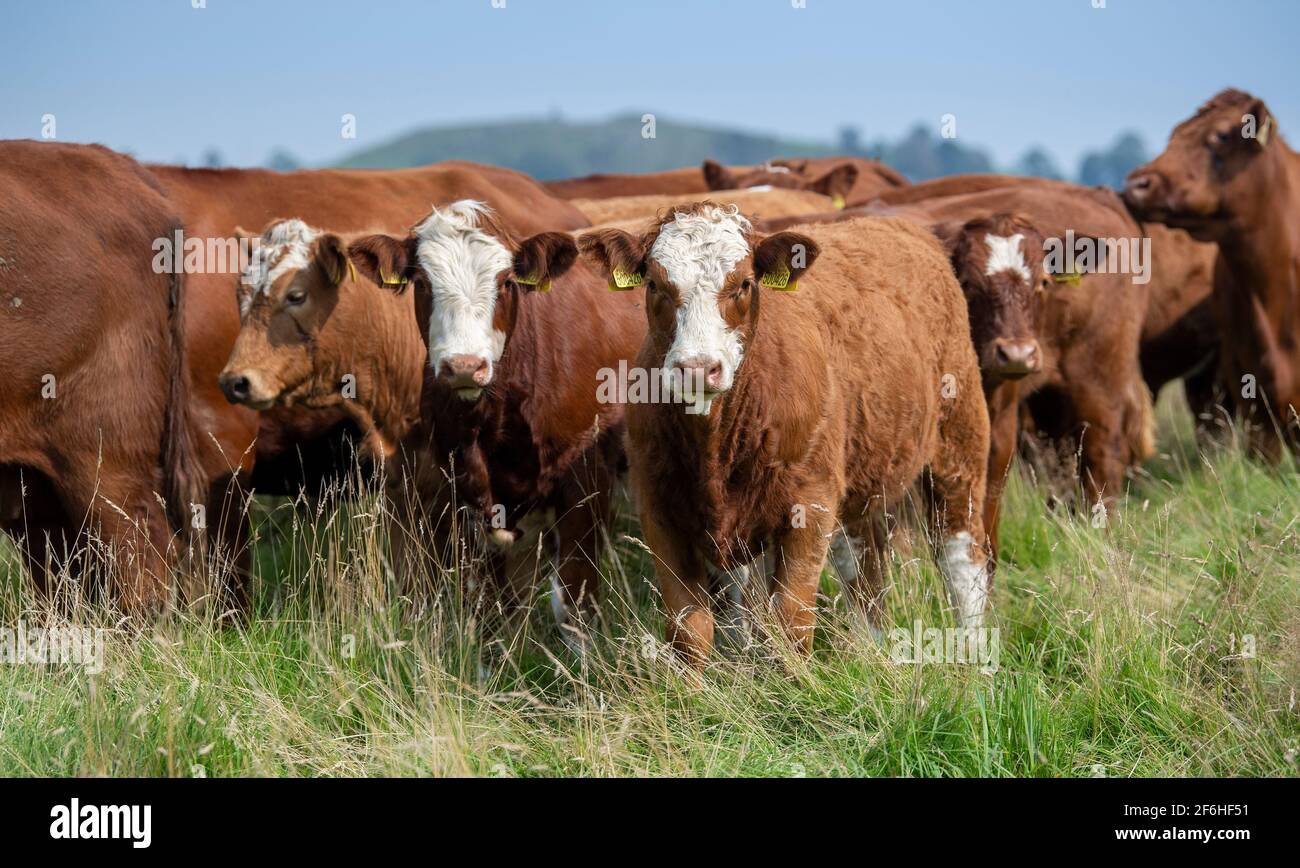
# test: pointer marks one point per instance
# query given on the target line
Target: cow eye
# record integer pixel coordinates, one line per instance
(295, 297)
(747, 285)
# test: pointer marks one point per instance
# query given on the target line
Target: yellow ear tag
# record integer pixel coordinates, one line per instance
(532, 280)
(1073, 278)
(392, 281)
(778, 280)
(352, 270)
(624, 280)
(838, 201)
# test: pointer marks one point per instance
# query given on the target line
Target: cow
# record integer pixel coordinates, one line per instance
(868, 179)
(511, 402)
(835, 184)
(1085, 386)
(816, 415)
(94, 427)
(1228, 177)
(281, 449)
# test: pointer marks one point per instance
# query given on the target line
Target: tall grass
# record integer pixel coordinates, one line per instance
(1121, 654)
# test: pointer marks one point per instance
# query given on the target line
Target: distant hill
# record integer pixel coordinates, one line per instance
(559, 149)
(555, 148)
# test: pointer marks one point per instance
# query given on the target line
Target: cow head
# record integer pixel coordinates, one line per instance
(286, 296)
(704, 272)
(999, 262)
(836, 183)
(468, 274)
(1205, 173)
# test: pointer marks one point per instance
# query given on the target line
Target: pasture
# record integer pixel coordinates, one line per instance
(1165, 643)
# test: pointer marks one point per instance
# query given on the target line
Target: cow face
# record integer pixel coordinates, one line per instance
(999, 262)
(1206, 167)
(703, 272)
(469, 276)
(286, 296)
(836, 183)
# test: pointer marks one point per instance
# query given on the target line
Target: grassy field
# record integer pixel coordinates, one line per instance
(1125, 650)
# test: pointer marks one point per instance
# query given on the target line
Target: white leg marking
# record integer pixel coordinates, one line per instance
(967, 580)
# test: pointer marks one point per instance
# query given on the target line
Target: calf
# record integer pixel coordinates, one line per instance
(511, 401)
(818, 414)
(1227, 176)
(1087, 388)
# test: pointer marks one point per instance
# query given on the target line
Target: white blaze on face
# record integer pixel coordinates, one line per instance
(697, 252)
(284, 247)
(1005, 255)
(462, 263)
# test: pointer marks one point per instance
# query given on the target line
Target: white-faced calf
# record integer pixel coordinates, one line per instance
(837, 369)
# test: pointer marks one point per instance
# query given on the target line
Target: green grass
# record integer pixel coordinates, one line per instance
(1120, 655)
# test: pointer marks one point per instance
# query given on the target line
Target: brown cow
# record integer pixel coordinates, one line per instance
(513, 397)
(872, 178)
(298, 445)
(93, 428)
(1084, 321)
(817, 415)
(836, 184)
(1227, 176)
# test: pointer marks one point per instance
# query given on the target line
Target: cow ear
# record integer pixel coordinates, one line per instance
(837, 183)
(781, 259)
(543, 258)
(717, 176)
(1265, 126)
(618, 253)
(383, 260)
(949, 233)
(332, 259)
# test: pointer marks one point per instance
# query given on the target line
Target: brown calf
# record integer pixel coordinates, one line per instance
(815, 416)
(1227, 176)
(512, 401)
(835, 184)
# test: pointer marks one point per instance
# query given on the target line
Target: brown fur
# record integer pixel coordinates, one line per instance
(537, 439)
(1244, 195)
(767, 203)
(284, 448)
(79, 300)
(836, 407)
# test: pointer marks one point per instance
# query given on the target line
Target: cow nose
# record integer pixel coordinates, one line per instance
(235, 386)
(465, 371)
(698, 369)
(1016, 358)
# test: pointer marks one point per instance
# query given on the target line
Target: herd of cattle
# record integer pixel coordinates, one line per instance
(831, 340)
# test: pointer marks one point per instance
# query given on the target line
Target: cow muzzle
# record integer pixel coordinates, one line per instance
(700, 376)
(247, 388)
(466, 375)
(1015, 359)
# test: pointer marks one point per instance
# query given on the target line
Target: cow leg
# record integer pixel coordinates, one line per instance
(1004, 433)
(957, 496)
(1101, 471)
(857, 553)
(684, 583)
(123, 511)
(800, 557)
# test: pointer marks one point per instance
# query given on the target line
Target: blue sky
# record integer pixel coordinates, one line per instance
(167, 81)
